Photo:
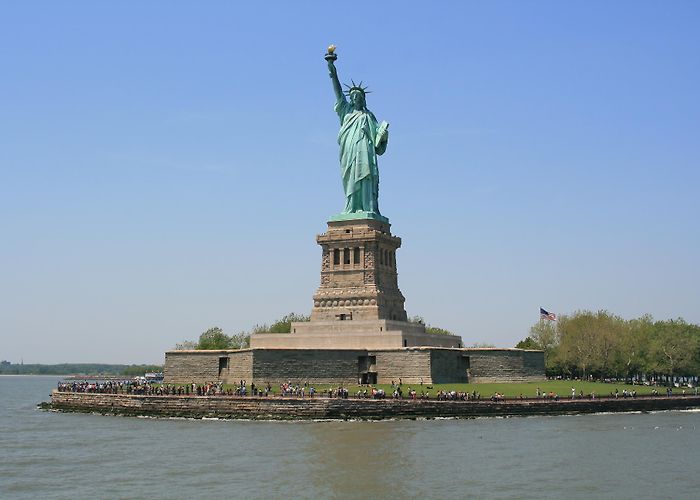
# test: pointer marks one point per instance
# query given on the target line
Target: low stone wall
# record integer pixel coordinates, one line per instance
(432, 365)
(192, 366)
(240, 367)
(505, 365)
(448, 366)
(306, 365)
(408, 365)
(277, 408)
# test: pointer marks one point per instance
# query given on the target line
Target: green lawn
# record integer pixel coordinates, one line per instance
(527, 389)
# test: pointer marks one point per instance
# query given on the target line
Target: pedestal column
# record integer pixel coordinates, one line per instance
(362, 287)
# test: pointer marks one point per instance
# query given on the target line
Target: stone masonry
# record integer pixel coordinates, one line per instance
(358, 304)
(358, 331)
(350, 366)
(359, 279)
(276, 408)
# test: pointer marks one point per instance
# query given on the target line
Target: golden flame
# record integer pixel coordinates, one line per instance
(331, 49)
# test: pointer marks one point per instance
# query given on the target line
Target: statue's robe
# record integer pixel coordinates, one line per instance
(361, 139)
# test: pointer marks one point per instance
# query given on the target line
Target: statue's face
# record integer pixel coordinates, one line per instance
(357, 99)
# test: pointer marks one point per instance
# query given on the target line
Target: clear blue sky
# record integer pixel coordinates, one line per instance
(165, 166)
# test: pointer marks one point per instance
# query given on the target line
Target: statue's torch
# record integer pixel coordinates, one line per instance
(331, 55)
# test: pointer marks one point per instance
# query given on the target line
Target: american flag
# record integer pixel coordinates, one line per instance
(547, 315)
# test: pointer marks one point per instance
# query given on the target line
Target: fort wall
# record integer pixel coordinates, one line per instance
(277, 408)
(505, 365)
(348, 366)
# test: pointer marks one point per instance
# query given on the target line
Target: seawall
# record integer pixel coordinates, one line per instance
(279, 408)
(432, 365)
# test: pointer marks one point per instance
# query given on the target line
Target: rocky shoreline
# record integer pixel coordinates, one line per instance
(318, 408)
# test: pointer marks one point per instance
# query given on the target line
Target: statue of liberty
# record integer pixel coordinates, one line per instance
(361, 139)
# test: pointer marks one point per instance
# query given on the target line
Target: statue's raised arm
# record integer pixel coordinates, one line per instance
(333, 73)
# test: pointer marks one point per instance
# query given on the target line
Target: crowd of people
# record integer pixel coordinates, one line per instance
(147, 388)
(290, 390)
(127, 386)
(373, 392)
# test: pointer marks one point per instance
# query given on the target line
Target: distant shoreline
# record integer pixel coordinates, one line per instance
(90, 370)
(285, 408)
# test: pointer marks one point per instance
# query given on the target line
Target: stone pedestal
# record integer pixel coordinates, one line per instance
(359, 280)
(355, 334)
(358, 304)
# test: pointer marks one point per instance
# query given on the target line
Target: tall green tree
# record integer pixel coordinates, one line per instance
(674, 347)
(602, 344)
(240, 340)
(577, 349)
(590, 341)
(214, 338)
(186, 345)
(632, 358)
(545, 335)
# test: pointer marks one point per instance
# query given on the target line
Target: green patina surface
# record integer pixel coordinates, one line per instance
(358, 216)
(361, 139)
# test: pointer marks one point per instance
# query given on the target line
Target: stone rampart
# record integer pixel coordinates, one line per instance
(504, 365)
(277, 408)
(345, 366)
(184, 367)
(409, 365)
(306, 365)
(449, 366)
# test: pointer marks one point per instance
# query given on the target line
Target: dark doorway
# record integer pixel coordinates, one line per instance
(367, 369)
(466, 366)
(369, 378)
(223, 363)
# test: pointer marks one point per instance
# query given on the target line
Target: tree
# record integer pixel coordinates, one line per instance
(240, 340)
(632, 357)
(284, 324)
(590, 342)
(674, 347)
(578, 341)
(214, 338)
(186, 345)
(135, 370)
(527, 343)
(605, 345)
(611, 330)
(435, 330)
(545, 335)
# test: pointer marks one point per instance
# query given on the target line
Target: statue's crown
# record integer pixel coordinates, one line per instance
(356, 88)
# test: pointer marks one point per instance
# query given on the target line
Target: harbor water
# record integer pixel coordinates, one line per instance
(56, 455)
